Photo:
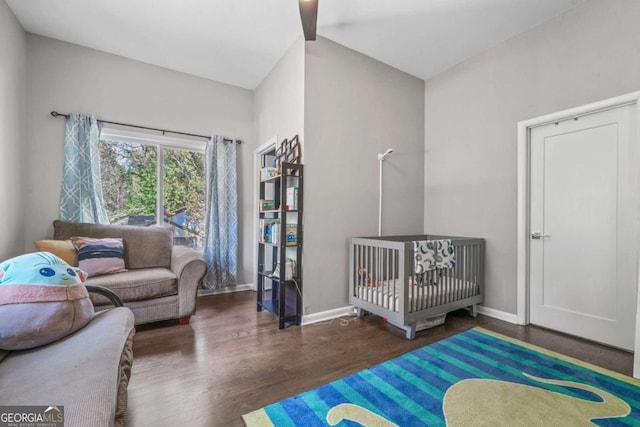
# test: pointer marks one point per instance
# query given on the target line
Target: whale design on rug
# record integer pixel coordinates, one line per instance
(358, 414)
(480, 401)
(473, 378)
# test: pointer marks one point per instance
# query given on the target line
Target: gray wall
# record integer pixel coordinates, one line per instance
(278, 103)
(278, 111)
(69, 78)
(354, 108)
(12, 131)
(471, 111)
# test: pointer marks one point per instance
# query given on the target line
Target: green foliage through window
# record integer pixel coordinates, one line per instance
(130, 187)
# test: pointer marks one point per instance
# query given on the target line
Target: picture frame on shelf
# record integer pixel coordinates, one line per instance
(288, 151)
(293, 151)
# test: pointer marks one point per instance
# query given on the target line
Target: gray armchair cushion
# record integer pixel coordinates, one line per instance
(136, 285)
(144, 247)
(83, 372)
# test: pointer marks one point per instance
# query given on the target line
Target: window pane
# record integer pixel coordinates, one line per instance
(129, 182)
(184, 196)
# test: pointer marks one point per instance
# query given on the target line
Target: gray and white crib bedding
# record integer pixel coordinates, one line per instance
(433, 254)
(387, 294)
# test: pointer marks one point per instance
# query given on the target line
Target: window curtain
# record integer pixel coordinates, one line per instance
(221, 215)
(81, 193)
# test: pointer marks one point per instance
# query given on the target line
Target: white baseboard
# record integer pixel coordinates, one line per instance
(321, 316)
(498, 314)
(309, 319)
(229, 289)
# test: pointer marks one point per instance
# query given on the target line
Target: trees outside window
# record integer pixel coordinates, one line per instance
(155, 184)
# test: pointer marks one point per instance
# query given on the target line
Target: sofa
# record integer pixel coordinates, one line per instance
(161, 280)
(86, 372)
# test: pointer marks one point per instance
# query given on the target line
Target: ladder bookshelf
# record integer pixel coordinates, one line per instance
(279, 281)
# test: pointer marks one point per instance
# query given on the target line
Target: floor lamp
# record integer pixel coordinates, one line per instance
(381, 157)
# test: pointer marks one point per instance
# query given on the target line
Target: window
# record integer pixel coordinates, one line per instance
(154, 180)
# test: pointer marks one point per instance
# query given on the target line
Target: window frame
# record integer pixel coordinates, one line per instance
(161, 142)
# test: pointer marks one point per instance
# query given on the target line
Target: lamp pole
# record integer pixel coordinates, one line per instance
(381, 157)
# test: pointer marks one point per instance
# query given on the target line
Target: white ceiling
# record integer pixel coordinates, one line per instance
(239, 41)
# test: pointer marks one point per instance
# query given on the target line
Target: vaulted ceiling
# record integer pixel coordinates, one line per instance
(239, 41)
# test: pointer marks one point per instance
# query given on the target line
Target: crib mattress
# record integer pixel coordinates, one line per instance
(421, 297)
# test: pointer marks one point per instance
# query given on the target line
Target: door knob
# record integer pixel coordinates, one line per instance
(539, 235)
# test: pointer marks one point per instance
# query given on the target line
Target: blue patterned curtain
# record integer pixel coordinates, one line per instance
(221, 217)
(81, 194)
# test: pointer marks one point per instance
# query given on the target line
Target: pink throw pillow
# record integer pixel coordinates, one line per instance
(99, 256)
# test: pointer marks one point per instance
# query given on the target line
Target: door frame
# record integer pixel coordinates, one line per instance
(269, 145)
(524, 185)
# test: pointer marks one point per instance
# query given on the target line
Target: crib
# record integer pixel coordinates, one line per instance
(384, 282)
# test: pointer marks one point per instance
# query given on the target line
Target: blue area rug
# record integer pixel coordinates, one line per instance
(473, 378)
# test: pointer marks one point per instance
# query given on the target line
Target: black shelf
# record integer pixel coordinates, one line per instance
(272, 306)
(287, 291)
(268, 275)
(273, 178)
(283, 298)
(278, 244)
(279, 212)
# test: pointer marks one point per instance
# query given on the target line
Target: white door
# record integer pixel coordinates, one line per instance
(584, 226)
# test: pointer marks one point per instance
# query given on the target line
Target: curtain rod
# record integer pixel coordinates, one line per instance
(66, 116)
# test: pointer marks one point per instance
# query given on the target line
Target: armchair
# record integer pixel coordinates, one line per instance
(161, 281)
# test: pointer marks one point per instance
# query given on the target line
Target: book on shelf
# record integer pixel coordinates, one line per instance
(275, 233)
(268, 173)
(267, 205)
(292, 198)
(291, 234)
(269, 230)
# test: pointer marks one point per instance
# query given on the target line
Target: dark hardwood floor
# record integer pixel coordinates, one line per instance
(232, 360)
